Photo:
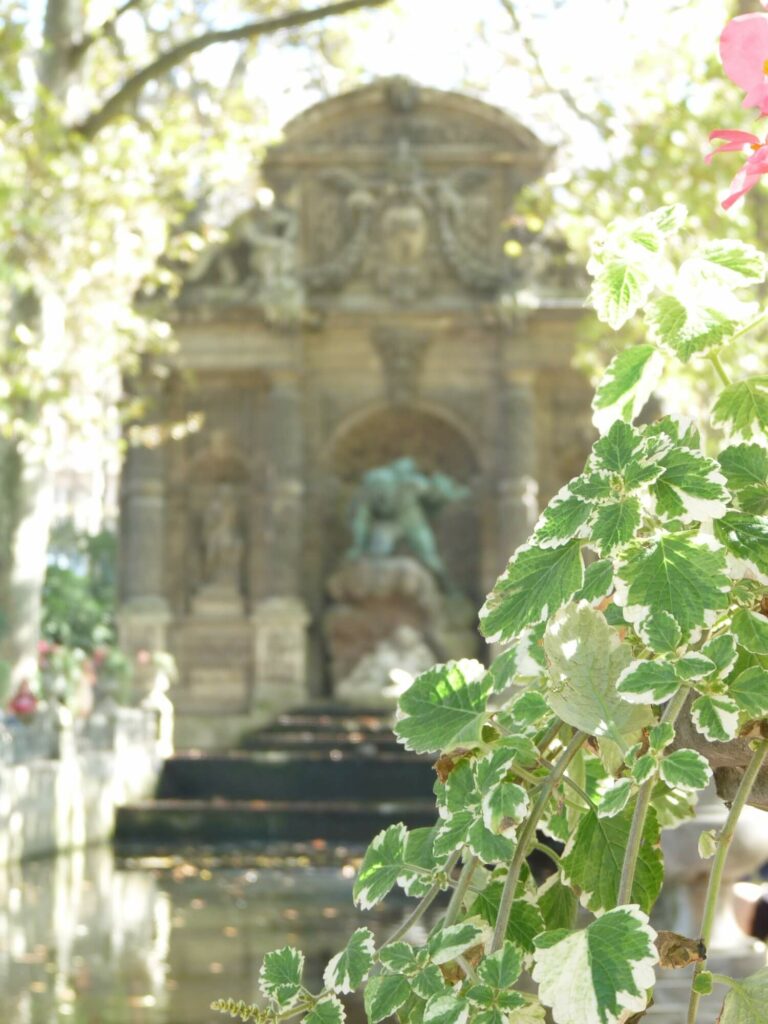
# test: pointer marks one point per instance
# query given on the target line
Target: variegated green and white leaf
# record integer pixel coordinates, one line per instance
(536, 583)
(382, 863)
(716, 717)
(563, 519)
(501, 969)
(615, 523)
(327, 1010)
(662, 633)
(401, 958)
(691, 488)
(746, 1000)
(349, 968)
(644, 768)
(615, 799)
(504, 806)
(444, 708)
(751, 630)
(694, 665)
(746, 469)
(626, 385)
(592, 859)
(598, 581)
(280, 975)
(600, 974)
(660, 736)
(618, 291)
(384, 995)
(446, 943)
(585, 659)
(750, 691)
(679, 573)
(722, 651)
(447, 1009)
(689, 328)
(685, 769)
(734, 262)
(745, 537)
(742, 410)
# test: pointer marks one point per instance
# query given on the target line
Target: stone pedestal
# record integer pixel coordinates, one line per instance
(280, 651)
(217, 600)
(517, 490)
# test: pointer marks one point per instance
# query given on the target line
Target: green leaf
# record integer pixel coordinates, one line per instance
(348, 969)
(280, 975)
(453, 833)
(488, 846)
(615, 523)
(716, 718)
(746, 1000)
(428, 982)
(615, 799)
(503, 670)
(444, 708)
(504, 807)
(557, 903)
(746, 538)
(691, 487)
(750, 691)
(525, 920)
(742, 409)
(678, 573)
(672, 805)
(527, 709)
(751, 630)
(618, 291)
(585, 659)
(384, 994)
(400, 958)
(594, 855)
(685, 769)
(660, 736)
(703, 982)
(626, 385)
(688, 330)
(536, 583)
(662, 633)
(739, 263)
(327, 1011)
(562, 519)
(667, 219)
(446, 943)
(722, 651)
(501, 969)
(746, 470)
(694, 666)
(644, 768)
(382, 863)
(598, 581)
(600, 974)
(448, 1009)
(648, 682)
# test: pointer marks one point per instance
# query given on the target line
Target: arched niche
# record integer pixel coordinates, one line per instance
(380, 435)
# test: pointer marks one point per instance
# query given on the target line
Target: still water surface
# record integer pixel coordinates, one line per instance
(88, 940)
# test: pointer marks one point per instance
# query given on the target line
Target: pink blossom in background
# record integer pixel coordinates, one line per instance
(744, 53)
(754, 168)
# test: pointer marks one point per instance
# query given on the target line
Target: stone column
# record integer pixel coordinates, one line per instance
(517, 465)
(280, 618)
(144, 614)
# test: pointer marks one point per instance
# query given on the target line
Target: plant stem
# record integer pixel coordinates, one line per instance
(718, 864)
(460, 891)
(527, 836)
(423, 905)
(714, 358)
(637, 828)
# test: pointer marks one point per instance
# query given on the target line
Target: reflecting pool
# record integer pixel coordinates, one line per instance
(86, 939)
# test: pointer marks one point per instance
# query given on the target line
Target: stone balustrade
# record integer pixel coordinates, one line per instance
(61, 781)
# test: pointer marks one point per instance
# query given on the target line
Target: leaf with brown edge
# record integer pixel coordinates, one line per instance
(677, 950)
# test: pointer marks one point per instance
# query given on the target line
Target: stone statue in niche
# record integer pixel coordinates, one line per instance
(394, 610)
(393, 507)
(222, 540)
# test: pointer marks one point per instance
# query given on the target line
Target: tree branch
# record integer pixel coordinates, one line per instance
(167, 61)
(530, 49)
(79, 48)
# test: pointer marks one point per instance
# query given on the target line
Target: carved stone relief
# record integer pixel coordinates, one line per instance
(402, 351)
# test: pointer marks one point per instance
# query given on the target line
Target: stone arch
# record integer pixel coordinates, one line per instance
(379, 434)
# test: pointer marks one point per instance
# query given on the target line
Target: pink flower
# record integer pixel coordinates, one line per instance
(744, 53)
(754, 168)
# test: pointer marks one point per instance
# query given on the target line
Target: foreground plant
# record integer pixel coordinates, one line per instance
(638, 602)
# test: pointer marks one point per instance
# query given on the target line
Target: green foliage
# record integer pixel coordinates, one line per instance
(79, 594)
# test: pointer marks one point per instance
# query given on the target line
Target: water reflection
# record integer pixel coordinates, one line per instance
(84, 940)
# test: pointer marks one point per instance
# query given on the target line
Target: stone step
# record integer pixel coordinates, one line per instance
(325, 721)
(366, 743)
(289, 775)
(156, 823)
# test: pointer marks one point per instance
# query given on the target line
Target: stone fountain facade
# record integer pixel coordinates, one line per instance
(368, 314)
